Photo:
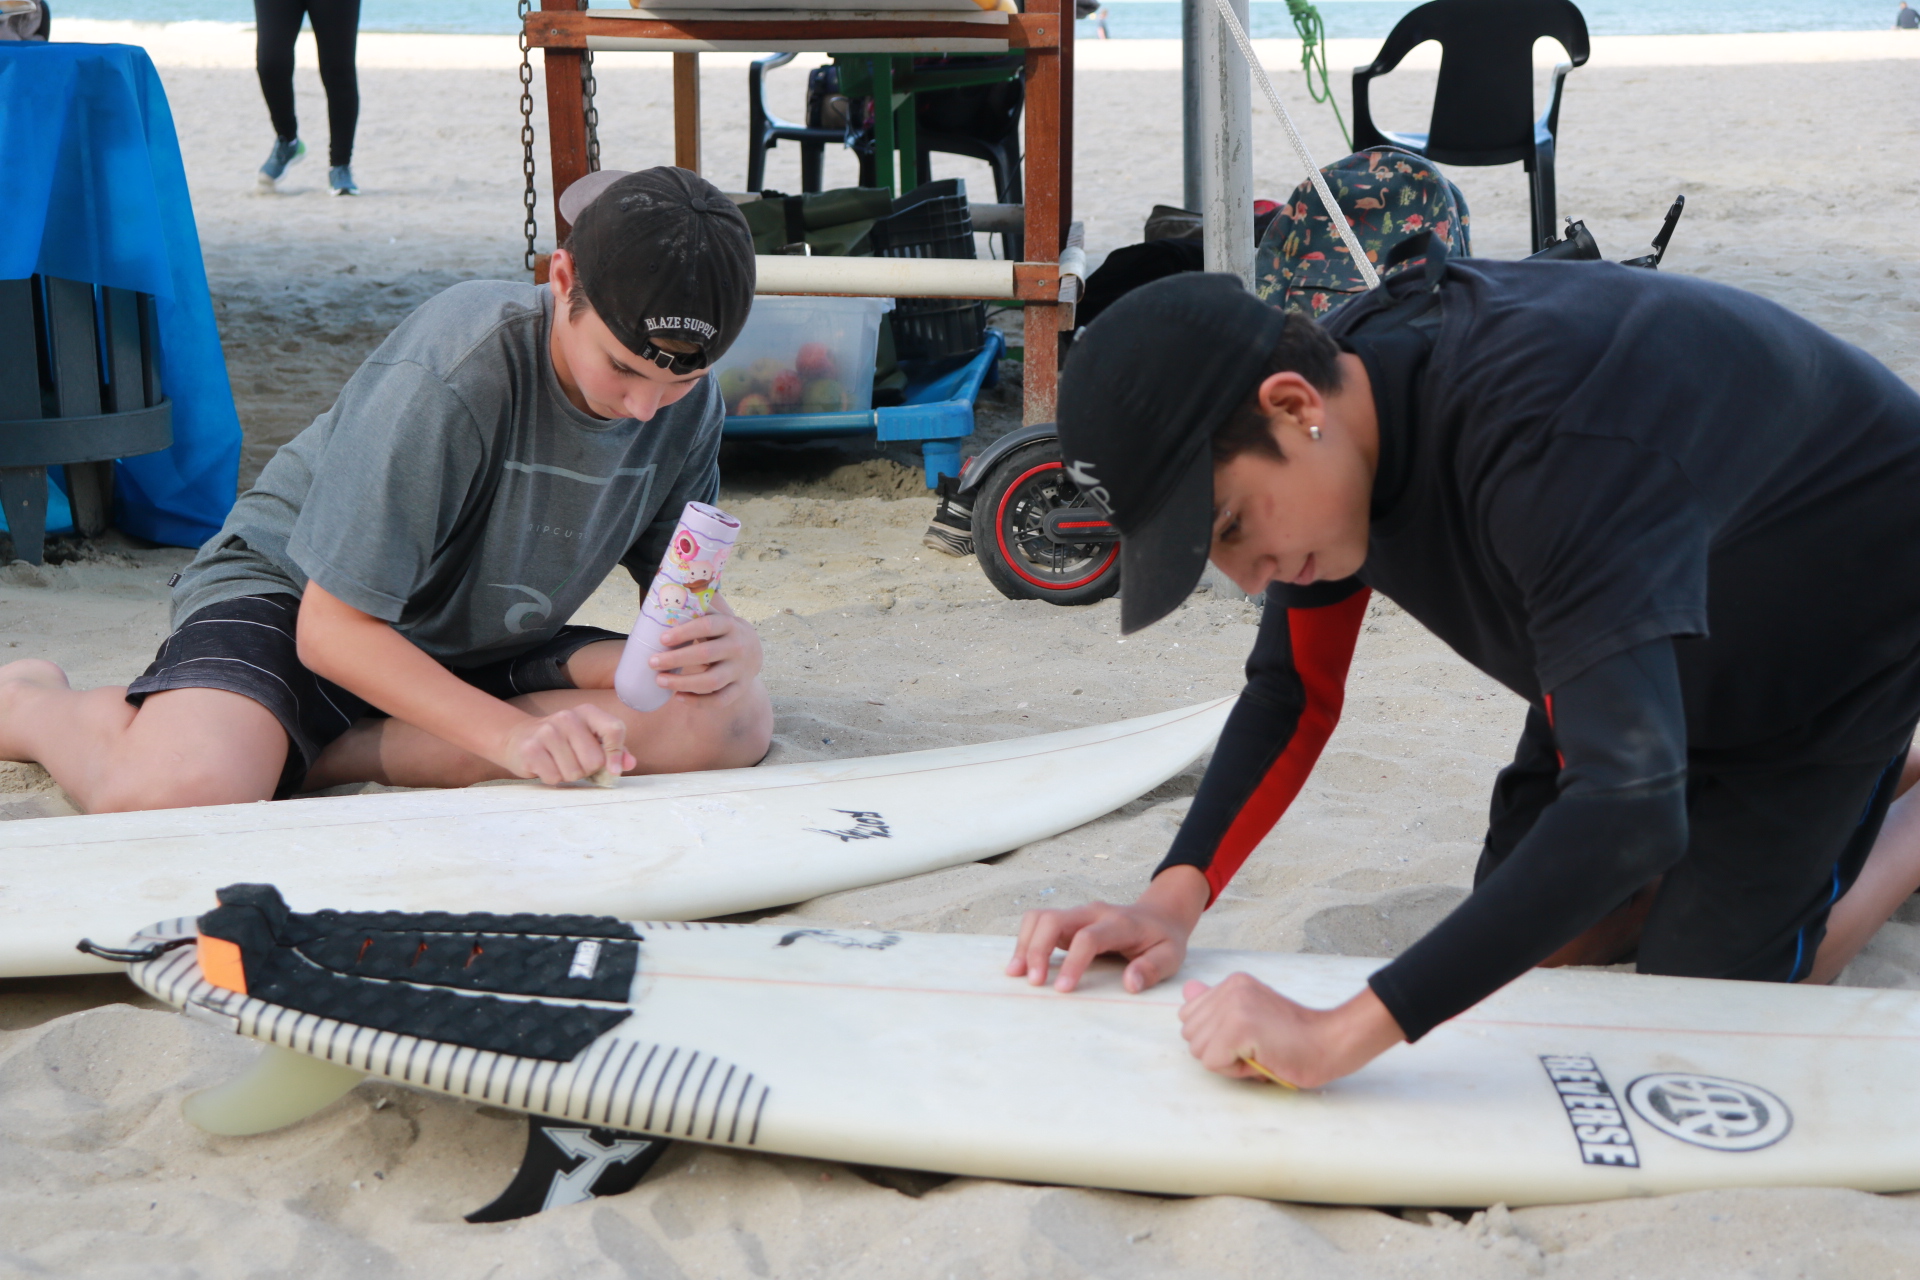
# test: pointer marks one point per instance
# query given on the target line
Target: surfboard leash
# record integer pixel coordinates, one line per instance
(119, 955)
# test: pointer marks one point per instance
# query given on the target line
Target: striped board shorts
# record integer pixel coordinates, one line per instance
(248, 646)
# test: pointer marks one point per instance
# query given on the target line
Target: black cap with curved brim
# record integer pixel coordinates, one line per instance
(664, 254)
(1141, 395)
(582, 192)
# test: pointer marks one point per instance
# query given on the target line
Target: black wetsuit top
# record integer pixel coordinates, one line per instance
(1681, 522)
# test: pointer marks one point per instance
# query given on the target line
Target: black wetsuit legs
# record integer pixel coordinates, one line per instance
(1769, 851)
(336, 28)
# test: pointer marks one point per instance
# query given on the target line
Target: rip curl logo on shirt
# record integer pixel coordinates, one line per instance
(528, 615)
(1707, 1111)
(686, 324)
(1598, 1126)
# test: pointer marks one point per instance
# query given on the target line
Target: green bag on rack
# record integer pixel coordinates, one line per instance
(831, 224)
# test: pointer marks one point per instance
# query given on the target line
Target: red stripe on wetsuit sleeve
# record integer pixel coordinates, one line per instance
(1558, 754)
(1322, 640)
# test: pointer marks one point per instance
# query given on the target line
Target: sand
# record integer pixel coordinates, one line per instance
(1796, 156)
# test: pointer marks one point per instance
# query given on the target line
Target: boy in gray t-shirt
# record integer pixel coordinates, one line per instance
(386, 604)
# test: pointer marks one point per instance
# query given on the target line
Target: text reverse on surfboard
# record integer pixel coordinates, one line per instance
(1598, 1126)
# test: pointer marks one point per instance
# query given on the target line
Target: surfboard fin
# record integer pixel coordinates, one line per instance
(280, 1088)
(567, 1163)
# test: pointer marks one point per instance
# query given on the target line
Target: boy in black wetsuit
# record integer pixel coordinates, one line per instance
(1676, 519)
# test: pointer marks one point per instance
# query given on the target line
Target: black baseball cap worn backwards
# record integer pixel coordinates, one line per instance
(1143, 390)
(663, 253)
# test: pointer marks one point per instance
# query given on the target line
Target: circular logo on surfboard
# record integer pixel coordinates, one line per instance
(1707, 1111)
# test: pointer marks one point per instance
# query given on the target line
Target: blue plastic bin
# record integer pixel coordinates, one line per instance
(937, 412)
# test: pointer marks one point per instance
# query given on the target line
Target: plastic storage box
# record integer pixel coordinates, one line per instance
(803, 355)
(938, 412)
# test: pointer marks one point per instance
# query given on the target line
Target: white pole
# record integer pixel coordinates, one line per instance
(1193, 14)
(1236, 28)
(1226, 128)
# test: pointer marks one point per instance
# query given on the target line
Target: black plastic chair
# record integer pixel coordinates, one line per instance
(966, 105)
(1483, 104)
(989, 120)
(79, 387)
(981, 121)
(978, 117)
(766, 130)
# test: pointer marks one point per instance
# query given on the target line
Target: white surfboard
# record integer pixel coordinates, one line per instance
(913, 1050)
(675, 847)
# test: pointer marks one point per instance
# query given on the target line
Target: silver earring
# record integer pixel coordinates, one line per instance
(1313, 433)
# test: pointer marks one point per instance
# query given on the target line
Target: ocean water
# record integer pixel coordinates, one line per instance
(1150, 19)
(1126, 19)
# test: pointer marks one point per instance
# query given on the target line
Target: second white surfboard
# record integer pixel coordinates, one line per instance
(678, 847)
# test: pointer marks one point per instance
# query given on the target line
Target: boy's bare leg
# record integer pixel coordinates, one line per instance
(180, 747)
(685, 735)
(1891, 875)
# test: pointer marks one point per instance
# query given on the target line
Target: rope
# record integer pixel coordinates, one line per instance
(1332, 206)
(1313, 60)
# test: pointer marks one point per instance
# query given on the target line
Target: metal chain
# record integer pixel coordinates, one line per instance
(587, 87)
(531, 198)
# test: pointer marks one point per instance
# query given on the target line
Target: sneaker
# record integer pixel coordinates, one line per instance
(952, 529)
(285, 152)
(340, 178)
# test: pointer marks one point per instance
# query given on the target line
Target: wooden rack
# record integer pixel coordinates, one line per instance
(564, 34)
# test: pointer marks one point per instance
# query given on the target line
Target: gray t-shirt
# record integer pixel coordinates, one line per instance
(455, 492)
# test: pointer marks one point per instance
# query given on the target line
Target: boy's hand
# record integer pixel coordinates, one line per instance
(1242, 1019)
(713, 656)
(1151, 934)
(566, 746)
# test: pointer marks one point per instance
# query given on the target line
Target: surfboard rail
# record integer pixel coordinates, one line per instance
(680, 846)
(914, 1050)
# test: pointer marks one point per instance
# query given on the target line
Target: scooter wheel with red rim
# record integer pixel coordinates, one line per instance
(1023, 562)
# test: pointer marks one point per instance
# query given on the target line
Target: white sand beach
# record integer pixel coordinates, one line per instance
(1796, 154)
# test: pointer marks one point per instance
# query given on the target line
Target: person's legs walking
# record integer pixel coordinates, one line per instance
(276, 25)
(336, 31)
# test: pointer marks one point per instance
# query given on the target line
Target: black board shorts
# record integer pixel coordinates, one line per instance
(248, 646)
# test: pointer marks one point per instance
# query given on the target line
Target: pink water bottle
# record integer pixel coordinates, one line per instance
(683, 590)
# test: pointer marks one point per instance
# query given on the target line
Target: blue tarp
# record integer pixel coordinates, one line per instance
(94, 190)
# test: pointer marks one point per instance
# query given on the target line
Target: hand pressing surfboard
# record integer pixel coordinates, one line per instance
(914, 1050)
(678, 847)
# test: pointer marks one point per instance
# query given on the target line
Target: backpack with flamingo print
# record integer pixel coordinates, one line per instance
(1303, 265)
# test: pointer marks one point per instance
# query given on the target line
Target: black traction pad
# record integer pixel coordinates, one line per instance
(422, 974)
